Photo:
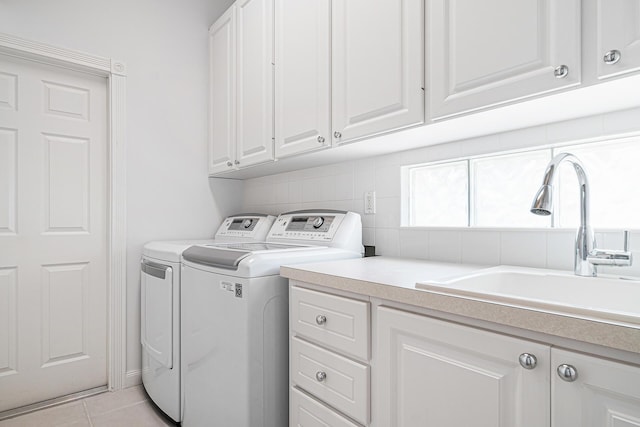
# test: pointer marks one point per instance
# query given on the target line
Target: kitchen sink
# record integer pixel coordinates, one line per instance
(602, 298)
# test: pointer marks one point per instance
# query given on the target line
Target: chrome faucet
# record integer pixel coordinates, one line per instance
(587, 257)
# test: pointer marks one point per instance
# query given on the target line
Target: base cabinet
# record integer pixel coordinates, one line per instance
(603, 393)
(329, 368)
(440, 374)
(428, 372)
(434, 373)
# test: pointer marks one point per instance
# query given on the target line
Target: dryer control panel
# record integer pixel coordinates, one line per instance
(248, 226)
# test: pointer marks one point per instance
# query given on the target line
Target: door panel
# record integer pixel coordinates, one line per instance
(8, 322)
(605, 393)
(52, 232)
(8, 180)
(303, 75)
(222, 95)
(490, 52)
(378, 67)
(157, 315)
(435, 373)
(619, 29)
(255, 81)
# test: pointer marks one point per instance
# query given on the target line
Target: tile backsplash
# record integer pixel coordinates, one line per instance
(342, 186)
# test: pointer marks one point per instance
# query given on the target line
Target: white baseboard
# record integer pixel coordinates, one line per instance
(133, 378)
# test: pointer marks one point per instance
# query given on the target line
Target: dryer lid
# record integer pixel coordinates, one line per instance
(215, 257)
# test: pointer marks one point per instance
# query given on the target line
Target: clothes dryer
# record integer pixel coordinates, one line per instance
(160, 306)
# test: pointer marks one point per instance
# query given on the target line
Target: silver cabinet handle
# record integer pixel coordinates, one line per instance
(321, 139)
(321, 376)
(612, 57)
(337, 135)
(236, 162)
(229, 164)
(568, 373)
(321, 319)
(561, 72)
(528, 361)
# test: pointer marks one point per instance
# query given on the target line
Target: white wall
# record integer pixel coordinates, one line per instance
(164, 44)
(341, 186)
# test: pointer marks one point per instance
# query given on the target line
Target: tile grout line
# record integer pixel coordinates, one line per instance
(126, 406)
(86, 412)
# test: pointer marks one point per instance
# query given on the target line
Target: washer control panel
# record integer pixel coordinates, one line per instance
(247, 226)
(316, 226)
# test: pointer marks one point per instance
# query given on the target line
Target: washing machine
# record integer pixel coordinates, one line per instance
(160, 306)
(235, 317)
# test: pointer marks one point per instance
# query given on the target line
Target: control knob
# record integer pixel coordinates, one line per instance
(317, 223)
(247, 223)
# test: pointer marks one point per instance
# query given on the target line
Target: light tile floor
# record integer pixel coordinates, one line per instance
(129, 407)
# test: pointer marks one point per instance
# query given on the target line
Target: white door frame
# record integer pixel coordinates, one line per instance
(115, 72)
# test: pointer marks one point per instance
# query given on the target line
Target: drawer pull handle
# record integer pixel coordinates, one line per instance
(321, 376)
(561, 72)
(528, 361)
(612, 57)
(567, 373)
(321, 319)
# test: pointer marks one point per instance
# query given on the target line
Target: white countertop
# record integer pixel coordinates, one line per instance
(394, 279)
(396, 272)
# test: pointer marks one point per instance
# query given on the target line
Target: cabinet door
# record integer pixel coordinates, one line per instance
(483, 53)
(222, 93)
(377, 53)
(618, 30)
(605, 393)
(255, 82)
(439, 374)
(303, 73)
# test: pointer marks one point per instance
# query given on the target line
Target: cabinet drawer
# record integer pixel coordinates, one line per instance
(336, 380)
(308, 412)
(345, 326)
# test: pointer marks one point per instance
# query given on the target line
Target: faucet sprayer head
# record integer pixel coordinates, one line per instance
(543, 202)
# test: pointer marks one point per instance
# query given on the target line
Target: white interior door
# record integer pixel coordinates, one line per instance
(53, 287)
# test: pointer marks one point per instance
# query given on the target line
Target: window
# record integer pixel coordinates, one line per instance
(503, 188)
(613, 170)
(497, 190)
(439, 195)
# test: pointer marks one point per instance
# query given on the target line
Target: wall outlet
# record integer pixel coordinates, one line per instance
(370, 202)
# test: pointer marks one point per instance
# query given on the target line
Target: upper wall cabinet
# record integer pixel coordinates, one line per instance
(241, 86)
(346, 69)
(378, 63)
(618, 37)
(483, 53)
(222, 93)
(303, 76)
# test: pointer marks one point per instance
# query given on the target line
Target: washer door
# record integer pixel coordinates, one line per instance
(156, 333)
